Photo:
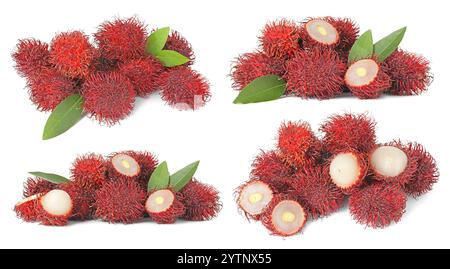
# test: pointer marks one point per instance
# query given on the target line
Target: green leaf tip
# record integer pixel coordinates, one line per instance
(171, 58)
(182, 177)
(362, 48)
(53, 178)
(262, 89)
(387, 45)
(157, 40)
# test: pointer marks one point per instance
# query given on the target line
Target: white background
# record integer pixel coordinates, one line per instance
(225, 137)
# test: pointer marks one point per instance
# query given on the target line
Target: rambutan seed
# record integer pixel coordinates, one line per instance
(178, 43)
(26, 209)
(143, 74)
(89, 171)
(36, 185)
(201, 201)
(366, 79)
(31, 57)
(319, 32)
(54, 208)
(253, 197)
(164, 207)
(347, 170)
(279, 39)
(123, 166)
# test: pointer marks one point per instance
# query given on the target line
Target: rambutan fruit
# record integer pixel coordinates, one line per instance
(201, 201)
(83, 200)
(280, 39)
(249, 66)
(122, 166)
(108, 97)
(184, 88)
(319, 32)
(72, 54)
(26, 209)
(37, 185)
(122, 39)
(143, 74)
(54, 208)
(120, 201)
(366, 79)
(31, 57)
(284, 216)
(89, 171)
(102, 64)
(164, 206)
(253, 197)
(409, 73)
(147, 164)
(348, 131)
(315, 73)
(347, 170)
(378, 204)
(348, 33)
(178, 43)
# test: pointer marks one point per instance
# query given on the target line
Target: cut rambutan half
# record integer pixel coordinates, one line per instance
(280, 39)
(164, 206)
(83, 200)
(366, 79)
(147, 164)
(201, 201)
(315, 73)
(27, 208)
(31, 57)
(319, 32)
(184, 88)
(89, 171)
(120, 201)
(284, 216)
(109, 97)
(348, 132)
(123, 166)
(37, 185)
(253, 197)
(347, 170)
(54, 208)
(143, 74)
(378, 205)
(178, 43)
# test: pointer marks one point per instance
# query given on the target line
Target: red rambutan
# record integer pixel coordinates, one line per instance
(122, 165)
(201, 201)
(54, 208)
(348, 33)
(280, 39)
(102, 64)
(143, 74)
(253, 197)
(319, 32)
(26, 209)
(164, 206)
(37, 185)
(31, 56)
(147, 164)
(178, 43)
(347, 170)
(89, 171)
(83, 200)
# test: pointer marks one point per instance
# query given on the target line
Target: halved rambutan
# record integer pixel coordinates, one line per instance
(143, 74)
(164, 206)
(89, 171)
(409, 73)
(280, 39)
(253, 197)
(366, 79)
(378, 205)
(184, 88)
(347, 170)
(201, 201)
(27, 208)
(35, 185)
(315, 73)
(54, 208)
(109, 97)
(284, 216)
(120, 201)
(178, 43)
(147, 164)
(122, 165)
(83, 199)
(31, 56)
(122, 39)
(319, 32)
(348, 131)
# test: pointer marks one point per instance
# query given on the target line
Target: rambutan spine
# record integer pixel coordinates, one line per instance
(31, 57)
(201, 201)
(143, 74)
(89, 171)
(36, 185)
(280, 39)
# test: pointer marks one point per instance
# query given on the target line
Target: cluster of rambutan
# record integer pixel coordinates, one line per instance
(312, 58)
(308, 177)
(114, 189)
(109, 73)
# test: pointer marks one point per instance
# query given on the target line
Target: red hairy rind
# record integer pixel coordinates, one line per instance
(26, 209)
(373, 89)
(201, 201)
(120, 201)
(122, 39)
(71, 53)
(37, 185)
(109, 97)
(378, 205)
(249, 66)
(237, 194)
(89, 171)
(348, 33)
(175, 211)
(44, 218)
(113, 174)
(83, 200)
(31, 56)
(409, 73)
(184, 88)
(348, 132)
(147, 162)
(143, 74)
(178, 43)
(102, 64)
(363, 171)
(316, 73)
(280, 39)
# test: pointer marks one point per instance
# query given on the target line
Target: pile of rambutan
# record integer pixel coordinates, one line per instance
(308, 177)
(123, 62)
(322, 58)
(124, 187)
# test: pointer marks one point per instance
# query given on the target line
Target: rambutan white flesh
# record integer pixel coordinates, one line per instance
(346, 170)
(159, 201)
(322, 32)
(388, 161)
(287, 218)
(362, 73)
(254, 197)
(57, 203)
(125, 165)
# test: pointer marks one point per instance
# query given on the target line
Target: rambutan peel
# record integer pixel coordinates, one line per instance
(27, 208)
(201, 201)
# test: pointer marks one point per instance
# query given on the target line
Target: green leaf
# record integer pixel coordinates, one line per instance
(159, 178)
(65, 115)
(157, 40)
(262, 89)
(183, 176)
(53, 178)
(386, 46)
(362, 48)
(171, 58)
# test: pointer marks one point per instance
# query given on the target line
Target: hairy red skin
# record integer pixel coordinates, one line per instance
(374, 89)
(102, 64)
(120, 201)
(89, 171)
(363, 171)
(315, 73)
(178, 43)
(184, 88)
(31, 57)
(201, 201)
(37, 185)
(378, 205)
(348, 131)
(410, 73)
(237, 195)
(147, 162)
(27, 208)
(143, 74)
(83, 199)
(249, 66)
(280, 39)
(109, 97)
(122, 39)
(45, 218)
(175, 211)
(348, 33)
(113, 174)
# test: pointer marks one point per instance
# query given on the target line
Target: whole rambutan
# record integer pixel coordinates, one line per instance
(253, 197)
(348, 131)
(280, 39)
(54, 208)
(143, 74)
(83, 200)
(184, 88)
(89, 171)
(201, 201)
(121, 165)
(108, 97)
(35, 185)
(147, 164)
(378, 205)
(319, 32)
(122, 39)
(31, 56)
(409, 73)
(347, 170)
(178, 43)
(120, 201)
(315, 73)
(26, 209)
(164, 206)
